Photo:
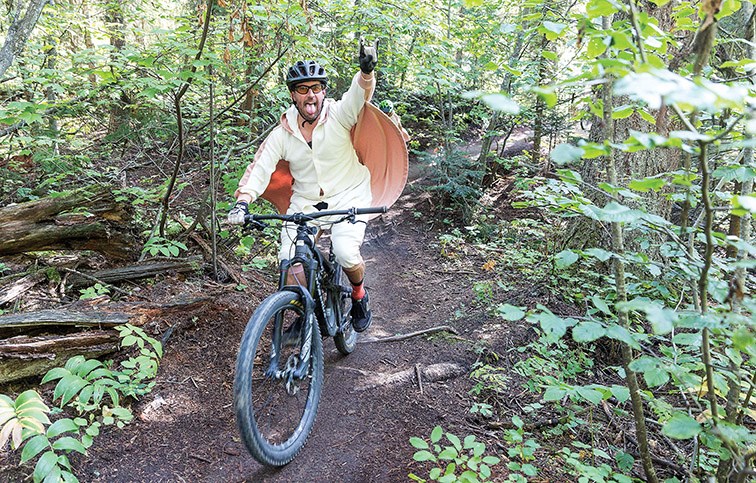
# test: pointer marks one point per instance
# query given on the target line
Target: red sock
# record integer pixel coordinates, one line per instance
(358, 291)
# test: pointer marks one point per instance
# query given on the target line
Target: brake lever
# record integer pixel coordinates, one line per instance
(250, 224)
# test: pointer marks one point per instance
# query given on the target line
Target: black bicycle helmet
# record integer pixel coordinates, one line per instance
(305, 70)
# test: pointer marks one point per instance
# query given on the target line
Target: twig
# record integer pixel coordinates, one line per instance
(419, 377)
(669, 464)
(394, 338)
(201, 458)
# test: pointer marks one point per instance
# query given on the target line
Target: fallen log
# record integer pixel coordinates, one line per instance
(23, 356)
(28, 322)
(432, 373)
(31, 343)
(137, 271)
(80, 220)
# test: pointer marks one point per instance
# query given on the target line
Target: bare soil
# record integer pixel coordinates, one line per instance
(185, 430)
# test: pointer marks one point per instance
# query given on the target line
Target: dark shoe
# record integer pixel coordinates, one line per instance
(361, 314)
(292, 334)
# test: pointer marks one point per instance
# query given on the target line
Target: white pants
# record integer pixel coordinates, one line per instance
(346, 238)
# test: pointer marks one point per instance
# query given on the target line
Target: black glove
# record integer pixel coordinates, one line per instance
(238, 212)
(368, 57)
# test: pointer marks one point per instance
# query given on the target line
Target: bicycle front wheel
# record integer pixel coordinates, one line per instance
(275, 411)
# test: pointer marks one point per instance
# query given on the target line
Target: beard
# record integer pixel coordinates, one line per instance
(309, 109)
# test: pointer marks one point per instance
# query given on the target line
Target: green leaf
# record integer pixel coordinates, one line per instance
(423, 456)
(588, 331)
(510, 312)
(600, 8)
(620, 333)
(625, 461)
(68, 443)
(549, 55)
(454, 440)
(647, 184)
(566, 153)
(129, 340)
(622, 393)
(548, 94)
(491, 460)
(596, 46)
(448, 454)
(590, 395)
(613, 212)
(656, 377)
(553, 326)
(68, 387)
(681, 426)
(436, 434)
(87, 367)
(529, 469)
(46, 463)
(622, 112)
(565, 258)
(599, 254)
(601, 304)
(554, 393)
(61, 426)
(418, 443)
(501, 103)
(552, 29)
(30, 399)
(33, 447)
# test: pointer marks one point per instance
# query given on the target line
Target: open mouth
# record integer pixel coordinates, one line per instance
(311, 108)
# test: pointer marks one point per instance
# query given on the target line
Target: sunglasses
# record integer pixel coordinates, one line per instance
(300, 89)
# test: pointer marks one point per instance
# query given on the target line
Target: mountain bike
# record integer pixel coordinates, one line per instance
(279, 367)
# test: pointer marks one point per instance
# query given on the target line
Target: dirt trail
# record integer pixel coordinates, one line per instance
(185, 430)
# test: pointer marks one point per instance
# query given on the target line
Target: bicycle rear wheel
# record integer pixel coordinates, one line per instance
(346, 340)
(275, 412)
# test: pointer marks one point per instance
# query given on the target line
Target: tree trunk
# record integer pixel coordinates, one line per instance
(81, 220)
(115, 24)
(19, 31)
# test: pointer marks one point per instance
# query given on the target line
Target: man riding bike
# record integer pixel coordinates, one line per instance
(314, 138)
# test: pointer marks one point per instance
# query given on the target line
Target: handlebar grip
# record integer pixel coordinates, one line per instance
(370, 211)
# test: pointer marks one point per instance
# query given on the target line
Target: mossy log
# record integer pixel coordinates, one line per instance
(80, 220)
(24, 356)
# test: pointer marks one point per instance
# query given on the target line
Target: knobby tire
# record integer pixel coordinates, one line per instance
(275, 424)
(345, 341)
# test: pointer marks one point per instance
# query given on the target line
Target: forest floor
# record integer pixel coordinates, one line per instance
(185, 430)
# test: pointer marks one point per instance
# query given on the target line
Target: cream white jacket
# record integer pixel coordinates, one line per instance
(329, 170)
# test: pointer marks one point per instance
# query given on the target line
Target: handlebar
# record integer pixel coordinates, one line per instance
(302, 218)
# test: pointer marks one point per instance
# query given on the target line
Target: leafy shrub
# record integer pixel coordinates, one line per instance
(90, 388)
(467, 457)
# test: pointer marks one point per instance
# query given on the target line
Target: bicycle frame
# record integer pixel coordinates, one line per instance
(318, 301)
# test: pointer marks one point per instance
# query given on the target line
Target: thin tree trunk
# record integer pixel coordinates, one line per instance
(115, 23)
(19, 31)
(180, 124)
(618, 247)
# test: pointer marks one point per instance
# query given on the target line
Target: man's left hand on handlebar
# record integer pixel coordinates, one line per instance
(238, 212)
